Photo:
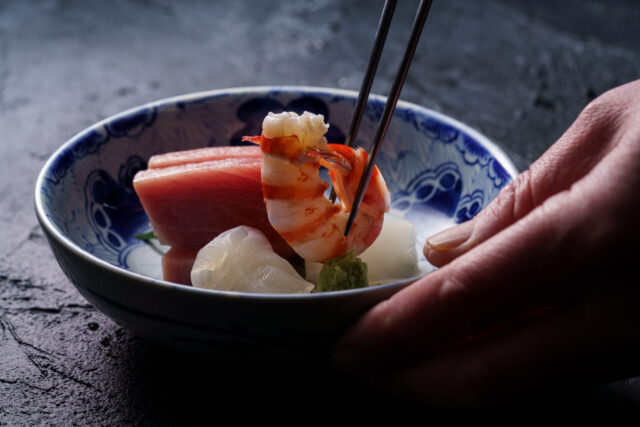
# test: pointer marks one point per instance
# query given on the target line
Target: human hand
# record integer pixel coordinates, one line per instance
(537, 287)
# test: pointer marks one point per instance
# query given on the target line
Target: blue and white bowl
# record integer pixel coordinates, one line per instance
(438, 170)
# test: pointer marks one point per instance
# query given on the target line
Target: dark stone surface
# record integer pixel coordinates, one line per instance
(518, 71)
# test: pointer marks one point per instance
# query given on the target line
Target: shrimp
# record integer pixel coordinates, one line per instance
(293, 149)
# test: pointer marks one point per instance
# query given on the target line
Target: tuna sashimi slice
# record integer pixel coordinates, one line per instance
(200, 155)
(177, 264)
(189, 204)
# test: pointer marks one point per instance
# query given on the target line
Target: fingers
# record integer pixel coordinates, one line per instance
(509, 275)
(585, 340)
(514, 201)
(524, 267)
(585, 143)
(460, 329)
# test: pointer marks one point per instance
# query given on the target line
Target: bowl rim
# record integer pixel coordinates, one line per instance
(59, 238)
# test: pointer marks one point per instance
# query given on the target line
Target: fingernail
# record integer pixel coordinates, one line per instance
(451, 238)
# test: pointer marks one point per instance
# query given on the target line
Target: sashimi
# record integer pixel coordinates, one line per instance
(260, 270)
(190, 204)
(200, 155)
(177, 264)
(190, 197)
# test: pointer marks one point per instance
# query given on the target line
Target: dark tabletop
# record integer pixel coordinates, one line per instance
(518, 71)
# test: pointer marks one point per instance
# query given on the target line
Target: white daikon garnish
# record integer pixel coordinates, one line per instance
(393, 256)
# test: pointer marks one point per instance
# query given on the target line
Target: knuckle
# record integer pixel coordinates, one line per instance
(503, 204)
(605, 113)
(515, 199)
(454, 299)
(604, 110)
(391, 315)
(596, 110)
(524, 198)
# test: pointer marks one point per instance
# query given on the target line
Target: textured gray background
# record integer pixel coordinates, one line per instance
(518, 71)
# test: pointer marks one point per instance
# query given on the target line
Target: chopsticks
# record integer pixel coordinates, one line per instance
(392, 99)
(374, 59)
(369, 75)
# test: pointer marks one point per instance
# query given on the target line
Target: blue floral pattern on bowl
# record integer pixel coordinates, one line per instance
(431, 165)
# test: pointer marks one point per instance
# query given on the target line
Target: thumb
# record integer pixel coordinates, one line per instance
(581, 147)
(514, 202)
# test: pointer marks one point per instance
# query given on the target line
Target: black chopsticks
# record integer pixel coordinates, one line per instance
(392, 99)
(376, 53)
(369, 75)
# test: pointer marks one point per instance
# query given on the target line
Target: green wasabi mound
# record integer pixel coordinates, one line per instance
(343, 272)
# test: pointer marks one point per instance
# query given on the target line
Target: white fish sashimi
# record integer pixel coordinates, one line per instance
(242, 260)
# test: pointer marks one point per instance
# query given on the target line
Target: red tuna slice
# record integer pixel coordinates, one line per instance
(200, 155)
(177, 264)
(189, 204)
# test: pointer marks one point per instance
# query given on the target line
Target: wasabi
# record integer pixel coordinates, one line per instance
(343, 272)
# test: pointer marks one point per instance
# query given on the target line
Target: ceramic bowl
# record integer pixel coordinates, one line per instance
(438, 170)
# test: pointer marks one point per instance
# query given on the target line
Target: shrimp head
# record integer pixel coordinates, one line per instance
(293, 149)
